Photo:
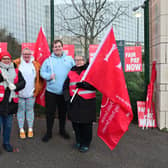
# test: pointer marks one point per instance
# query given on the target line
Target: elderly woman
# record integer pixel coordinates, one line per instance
(11, 81)
(30, 70)
(82, 110)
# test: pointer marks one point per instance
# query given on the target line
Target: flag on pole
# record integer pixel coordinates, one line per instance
(41, 49)
(105, 73)
(150, 94)
(41, 52)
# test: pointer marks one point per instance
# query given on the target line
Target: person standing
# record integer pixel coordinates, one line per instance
(82, 110)
(11, 81)
(54, 70)
(31, 72)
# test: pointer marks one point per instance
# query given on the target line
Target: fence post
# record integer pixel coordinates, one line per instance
(52, 22)
(146, 43)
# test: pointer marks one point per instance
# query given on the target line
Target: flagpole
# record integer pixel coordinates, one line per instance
(94, 57)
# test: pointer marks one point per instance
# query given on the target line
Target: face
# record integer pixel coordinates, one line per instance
(58, 49)
(6, 60)
(26, 55)
(79, 61)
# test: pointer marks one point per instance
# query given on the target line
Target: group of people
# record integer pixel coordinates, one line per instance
(21, 81)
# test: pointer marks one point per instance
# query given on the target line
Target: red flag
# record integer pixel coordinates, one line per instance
(105, 73)
(41, 52)
(41, 49)
(150, 92)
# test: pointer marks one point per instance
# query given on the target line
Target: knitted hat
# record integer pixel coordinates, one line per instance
(5, 53)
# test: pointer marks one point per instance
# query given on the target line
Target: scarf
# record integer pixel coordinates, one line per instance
(9, 71)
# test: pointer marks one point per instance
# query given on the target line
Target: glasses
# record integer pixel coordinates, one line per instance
(26, 54)
(77, 60)
(6, 59)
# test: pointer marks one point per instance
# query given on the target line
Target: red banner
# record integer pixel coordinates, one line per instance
(133, 59)
(30, 46)
(3, 46)
(143, 119)
(41, 52)
(41, 49)
(69, 50)
(92, 51)
(105, 73)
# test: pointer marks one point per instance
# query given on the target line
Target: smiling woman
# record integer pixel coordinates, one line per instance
(11, 81)
(30, 70)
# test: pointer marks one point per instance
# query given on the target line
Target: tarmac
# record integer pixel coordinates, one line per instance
(137, 149)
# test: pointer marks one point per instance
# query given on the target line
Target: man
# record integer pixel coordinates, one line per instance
(54, 70)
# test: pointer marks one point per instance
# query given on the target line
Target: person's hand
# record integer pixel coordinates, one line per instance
(4, 76)
(11, 86)
(52, 77)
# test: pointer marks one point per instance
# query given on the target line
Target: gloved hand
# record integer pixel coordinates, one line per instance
(80, 84)
(11, 86)
(4, 76)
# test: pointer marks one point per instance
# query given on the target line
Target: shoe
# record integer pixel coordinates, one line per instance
(83, 149)
(8, 147)
(46, 138)
(22, 135)
(30, 134)
(76, 146)
(65, 135)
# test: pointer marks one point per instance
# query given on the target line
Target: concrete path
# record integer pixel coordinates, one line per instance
(137, 149)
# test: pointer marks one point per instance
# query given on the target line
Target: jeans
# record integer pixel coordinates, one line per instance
(6, 122)
(26, 107)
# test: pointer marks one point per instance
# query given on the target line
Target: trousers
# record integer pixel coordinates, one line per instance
(52, 101)
(6, 125)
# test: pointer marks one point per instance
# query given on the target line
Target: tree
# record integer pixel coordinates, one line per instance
(13, 46)
(90, 18)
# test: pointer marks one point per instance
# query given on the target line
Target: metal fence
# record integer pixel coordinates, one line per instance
(20, 20)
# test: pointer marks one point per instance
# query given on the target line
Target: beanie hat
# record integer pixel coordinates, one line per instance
(5, 53)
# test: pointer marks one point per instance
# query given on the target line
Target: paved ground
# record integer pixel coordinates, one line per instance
(137, 149)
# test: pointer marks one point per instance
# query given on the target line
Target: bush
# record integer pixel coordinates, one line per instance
(136, 89)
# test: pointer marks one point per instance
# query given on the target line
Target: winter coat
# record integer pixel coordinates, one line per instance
(60, 66)
(7, 107)
(80, 110)
(39, 82)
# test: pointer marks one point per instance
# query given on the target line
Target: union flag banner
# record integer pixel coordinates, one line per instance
(105, 73)
(41, 52)
(133, 59)
(69, 50)
(92, 51)
(3, 46)
(143, 119)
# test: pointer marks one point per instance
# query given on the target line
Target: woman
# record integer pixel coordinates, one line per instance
(82, 110)
(30, 70)
(11, 81)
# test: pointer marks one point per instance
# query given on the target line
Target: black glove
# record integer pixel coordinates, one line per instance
(80, 85)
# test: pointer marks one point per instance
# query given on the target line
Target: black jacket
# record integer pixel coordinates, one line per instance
(80, 110)
(6, 107)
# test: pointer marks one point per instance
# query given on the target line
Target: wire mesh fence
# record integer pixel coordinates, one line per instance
(20, 21)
